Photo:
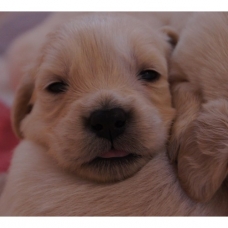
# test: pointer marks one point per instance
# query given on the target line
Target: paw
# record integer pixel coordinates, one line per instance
(203, 152)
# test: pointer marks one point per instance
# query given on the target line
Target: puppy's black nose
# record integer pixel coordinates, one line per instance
(108, 123)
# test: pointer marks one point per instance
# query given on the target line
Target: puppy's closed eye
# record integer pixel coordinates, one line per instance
(149, 75)
(57, 87)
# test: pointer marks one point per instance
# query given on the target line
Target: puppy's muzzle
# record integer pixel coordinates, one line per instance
(108, 123)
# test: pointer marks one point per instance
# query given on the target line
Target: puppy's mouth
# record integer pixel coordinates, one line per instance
(115, 158)
(114, 154)
(114, 165)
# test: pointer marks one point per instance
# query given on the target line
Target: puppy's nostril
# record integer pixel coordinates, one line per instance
(97, 127)
(108, 123)
(119, 124)
(97, 121)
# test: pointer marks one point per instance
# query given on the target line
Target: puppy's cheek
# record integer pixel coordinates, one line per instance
(150, 129)
(166, 116)
(71, 144)
(66, 143)
(160, 97)
(35, 129)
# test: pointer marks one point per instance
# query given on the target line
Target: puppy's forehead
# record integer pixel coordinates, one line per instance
(103, 43)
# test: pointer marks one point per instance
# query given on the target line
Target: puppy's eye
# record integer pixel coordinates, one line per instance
(57, 87)
(149, 75)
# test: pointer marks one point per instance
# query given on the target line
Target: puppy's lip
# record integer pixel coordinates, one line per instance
(114, 154)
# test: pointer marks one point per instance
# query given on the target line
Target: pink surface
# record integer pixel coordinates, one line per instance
(8, 141)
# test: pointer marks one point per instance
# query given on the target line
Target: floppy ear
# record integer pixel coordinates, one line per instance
(23, 99)
(203, 157)
(187, 101)
(171, 35)
(22, 106)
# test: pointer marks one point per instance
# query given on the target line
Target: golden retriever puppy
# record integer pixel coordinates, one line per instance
(199, 140)
(95, 111)
(95, 93)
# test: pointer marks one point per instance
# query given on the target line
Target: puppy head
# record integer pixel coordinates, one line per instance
(98, 97)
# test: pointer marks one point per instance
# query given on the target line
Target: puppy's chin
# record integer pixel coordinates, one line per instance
(111, 169)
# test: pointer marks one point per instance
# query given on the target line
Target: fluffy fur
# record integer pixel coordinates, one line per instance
(47, 176)
(36, 186)
(199, 141)
(25, 43)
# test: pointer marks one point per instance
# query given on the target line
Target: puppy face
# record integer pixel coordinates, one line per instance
(98, 97)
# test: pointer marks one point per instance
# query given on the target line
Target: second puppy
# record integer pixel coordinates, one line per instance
(199, 140)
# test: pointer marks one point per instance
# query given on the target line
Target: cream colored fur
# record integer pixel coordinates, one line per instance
(25, 43)
(199, 79)
(42, 180)
(36, 186)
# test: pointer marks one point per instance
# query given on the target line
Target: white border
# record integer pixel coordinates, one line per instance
(113, 5)
(114, 222)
